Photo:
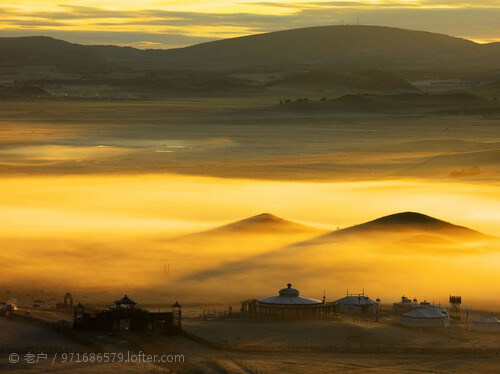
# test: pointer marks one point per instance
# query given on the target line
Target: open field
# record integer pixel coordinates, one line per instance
(243, 137)
(274, 347)
(385, 336)
(19, 336)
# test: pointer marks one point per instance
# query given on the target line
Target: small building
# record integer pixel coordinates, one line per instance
(425, 317)
(356, 304)
(125, 316)
(67, 302)
(489, 324)
(288, 304)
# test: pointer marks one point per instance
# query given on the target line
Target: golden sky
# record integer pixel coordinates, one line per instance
(165, 24)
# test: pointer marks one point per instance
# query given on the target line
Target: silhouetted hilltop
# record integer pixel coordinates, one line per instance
(407, 222)
(41, 50)
(339, 46)
(264, 222)
(47, 51)
(252, 229)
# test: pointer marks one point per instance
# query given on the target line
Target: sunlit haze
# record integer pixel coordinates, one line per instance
(170, 204)
(48, 221)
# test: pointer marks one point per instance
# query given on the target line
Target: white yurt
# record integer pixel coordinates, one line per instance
(356, 304)
(486, 324)
(288, 304)
(429, 317)
(289, 296)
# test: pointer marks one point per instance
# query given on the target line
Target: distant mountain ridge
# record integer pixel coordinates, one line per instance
(318, 61)
(47, 51)
(336, 46)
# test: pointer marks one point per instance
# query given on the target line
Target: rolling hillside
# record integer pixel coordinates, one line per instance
(340, 46)
(349, 47)
(46, 51)
(329, 59)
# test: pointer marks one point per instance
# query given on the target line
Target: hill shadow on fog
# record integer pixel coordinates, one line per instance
(401, 229)
(253, 235)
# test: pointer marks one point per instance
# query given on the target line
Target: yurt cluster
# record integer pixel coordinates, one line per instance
(289, 304)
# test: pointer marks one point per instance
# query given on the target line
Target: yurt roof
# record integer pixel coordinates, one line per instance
(287, 300)
(356, 300)
(289, 296)
(289, 291)
(125, 301)
(427, 313)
